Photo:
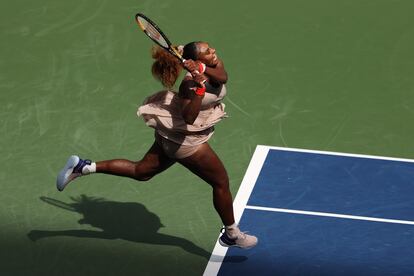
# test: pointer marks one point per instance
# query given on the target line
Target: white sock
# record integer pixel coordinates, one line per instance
(232, 230)
(88, 169)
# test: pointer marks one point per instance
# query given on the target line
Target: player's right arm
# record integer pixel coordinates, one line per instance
(191, 96)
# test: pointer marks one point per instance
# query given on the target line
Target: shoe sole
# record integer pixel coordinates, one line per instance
(235, 245)
(63, 176)
(225, 244)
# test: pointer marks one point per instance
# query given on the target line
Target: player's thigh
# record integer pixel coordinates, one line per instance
(154, 161)
(207, 165)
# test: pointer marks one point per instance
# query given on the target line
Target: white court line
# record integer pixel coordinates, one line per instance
(239, 204)
(249, 180)
(333, 215)
(340, 154)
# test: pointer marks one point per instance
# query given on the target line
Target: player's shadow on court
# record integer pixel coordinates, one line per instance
(129, 221)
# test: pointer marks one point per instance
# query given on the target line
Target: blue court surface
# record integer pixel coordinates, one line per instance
(323, 213)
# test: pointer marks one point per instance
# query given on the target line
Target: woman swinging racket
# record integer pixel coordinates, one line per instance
(183, 122)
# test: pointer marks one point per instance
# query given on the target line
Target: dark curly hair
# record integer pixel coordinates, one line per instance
(167, 68)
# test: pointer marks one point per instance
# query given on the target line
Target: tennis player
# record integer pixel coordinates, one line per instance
(183, 122)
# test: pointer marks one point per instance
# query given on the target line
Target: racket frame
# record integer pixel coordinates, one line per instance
(172, 50)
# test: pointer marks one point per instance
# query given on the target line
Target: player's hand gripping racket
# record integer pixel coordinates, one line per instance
(154, 32)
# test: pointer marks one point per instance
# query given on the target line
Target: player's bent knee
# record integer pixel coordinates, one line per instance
(141, 173)
(142, 178)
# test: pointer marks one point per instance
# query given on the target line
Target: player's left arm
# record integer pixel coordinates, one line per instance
(215, 74)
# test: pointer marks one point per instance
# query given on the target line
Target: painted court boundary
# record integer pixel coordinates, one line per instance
(239, 204)
(332, 215)
(247, 185)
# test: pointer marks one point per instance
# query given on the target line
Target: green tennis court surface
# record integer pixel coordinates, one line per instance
(320, 75)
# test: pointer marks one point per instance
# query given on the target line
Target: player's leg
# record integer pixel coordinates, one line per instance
(153, 162)
(206, 164)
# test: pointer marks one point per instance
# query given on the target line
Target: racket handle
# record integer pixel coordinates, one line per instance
(196, 71)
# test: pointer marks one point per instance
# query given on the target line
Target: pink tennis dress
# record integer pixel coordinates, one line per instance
(162, 111)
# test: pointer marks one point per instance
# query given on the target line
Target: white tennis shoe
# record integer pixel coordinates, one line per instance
(239, 239)
(71, 170)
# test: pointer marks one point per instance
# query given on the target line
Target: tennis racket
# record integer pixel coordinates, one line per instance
(155, 34)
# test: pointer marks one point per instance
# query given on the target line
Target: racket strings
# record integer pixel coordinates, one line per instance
(153, 32)
(156, 35)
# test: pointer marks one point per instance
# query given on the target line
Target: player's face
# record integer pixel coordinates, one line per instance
(207, 54)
